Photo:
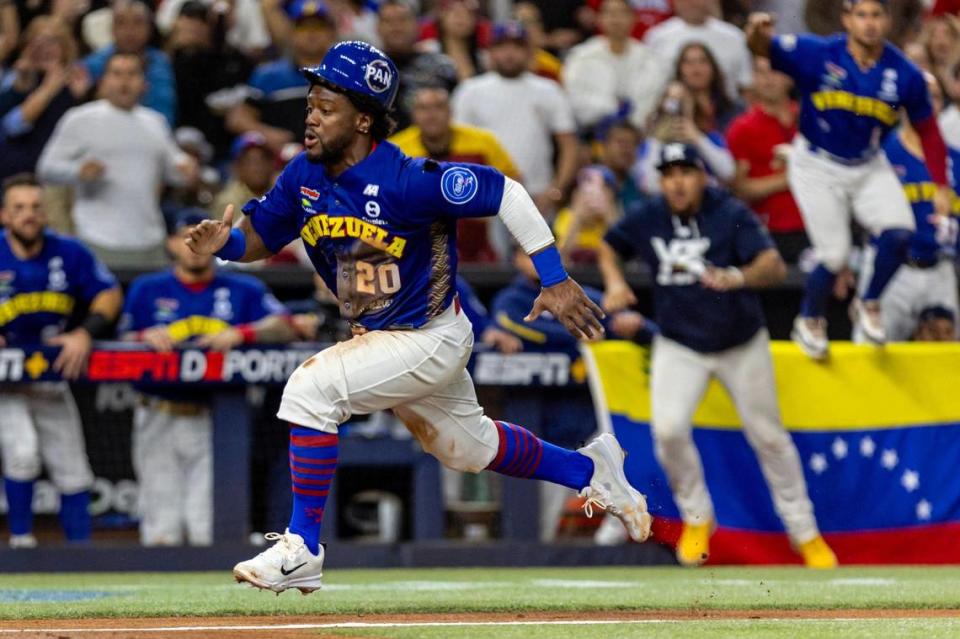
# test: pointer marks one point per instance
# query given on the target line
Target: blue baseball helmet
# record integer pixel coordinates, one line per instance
(359, 68)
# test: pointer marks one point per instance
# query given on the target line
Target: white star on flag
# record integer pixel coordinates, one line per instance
(910, 480)
(867, 446)
(818, 462)
(889, 459)
(924, 509)
(839, 448)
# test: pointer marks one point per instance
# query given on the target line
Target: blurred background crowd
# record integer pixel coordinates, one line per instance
(573, 97)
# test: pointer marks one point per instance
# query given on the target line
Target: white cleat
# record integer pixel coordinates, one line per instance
(810, 334)
(286, 564)
(866, 314)
(610, 491)
(20, 542)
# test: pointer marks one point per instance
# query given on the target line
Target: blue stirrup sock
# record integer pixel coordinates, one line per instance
(818, 289)
(892, 247)
(75, 515)
(19, 506)
(313, 463)
(523, 454)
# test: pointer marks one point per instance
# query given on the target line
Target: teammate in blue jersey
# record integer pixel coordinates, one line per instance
(708, 252)
(852, 88)
(47, 281)
(929, 278)
(380, 228)
(191, 303)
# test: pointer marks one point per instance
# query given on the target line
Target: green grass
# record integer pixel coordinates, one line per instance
(480, 590)
(768, 629)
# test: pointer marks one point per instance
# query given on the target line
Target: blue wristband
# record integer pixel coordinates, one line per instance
(549, 266)
(235, 247)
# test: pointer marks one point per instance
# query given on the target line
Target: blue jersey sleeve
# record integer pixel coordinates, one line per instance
(624, 237)
(797, 55)
(916, 96)
(455, 190)
(751, 236)
(94, 276)
(276, 216)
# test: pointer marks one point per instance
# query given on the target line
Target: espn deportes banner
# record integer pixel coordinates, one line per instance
(878, 432)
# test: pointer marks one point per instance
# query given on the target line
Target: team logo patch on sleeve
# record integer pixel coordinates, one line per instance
(458, 185)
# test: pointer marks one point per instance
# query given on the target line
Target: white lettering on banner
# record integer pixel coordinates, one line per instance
(115, 398)
(105, 496)
(522, 369)
(11, 365)
(193, 366)
(255, 366)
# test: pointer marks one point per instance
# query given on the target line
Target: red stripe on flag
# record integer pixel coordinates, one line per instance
(931, 544)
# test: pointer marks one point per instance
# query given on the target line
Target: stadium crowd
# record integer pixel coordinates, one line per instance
(138, 115)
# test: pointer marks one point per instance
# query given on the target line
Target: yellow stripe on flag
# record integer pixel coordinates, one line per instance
(861, 387)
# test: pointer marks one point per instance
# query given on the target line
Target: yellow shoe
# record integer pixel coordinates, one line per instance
(694, 545)
(817, 554)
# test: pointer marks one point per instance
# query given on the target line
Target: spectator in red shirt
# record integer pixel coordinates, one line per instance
(648, 13)
(941, 7)
(757, 139)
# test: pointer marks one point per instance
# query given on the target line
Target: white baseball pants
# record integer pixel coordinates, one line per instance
(41, 424)
(173, 461)
(420, 374)
(827, 192)
(679, 378)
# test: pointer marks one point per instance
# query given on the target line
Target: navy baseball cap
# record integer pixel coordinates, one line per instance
(359, 68)
(511, 31)
(679, 154)
(303, 9)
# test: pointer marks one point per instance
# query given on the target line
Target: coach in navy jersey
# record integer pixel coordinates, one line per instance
(707, 251)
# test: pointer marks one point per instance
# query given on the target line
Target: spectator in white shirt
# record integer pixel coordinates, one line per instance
(612, 72)
(117, 155)
(693, 23)
(527, 113)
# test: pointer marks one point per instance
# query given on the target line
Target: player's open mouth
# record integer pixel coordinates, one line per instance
(310, 139)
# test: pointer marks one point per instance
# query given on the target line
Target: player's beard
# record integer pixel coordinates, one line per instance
(28, 242)
(331, 151)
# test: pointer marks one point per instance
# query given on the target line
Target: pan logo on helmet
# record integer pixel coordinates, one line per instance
(378, 76)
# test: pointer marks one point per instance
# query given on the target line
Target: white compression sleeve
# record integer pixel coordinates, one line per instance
(523, 219)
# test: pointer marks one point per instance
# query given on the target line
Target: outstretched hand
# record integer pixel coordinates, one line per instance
(571, 306)
(209, 236)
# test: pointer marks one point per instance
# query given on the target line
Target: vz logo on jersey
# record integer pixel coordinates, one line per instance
(378, 76)
(681, 261)
(458, 185)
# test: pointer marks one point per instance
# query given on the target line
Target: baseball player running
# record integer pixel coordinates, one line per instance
(192, 303)
(929, 278)
(45, 279)
(852, 87)
(707, 251)
(380, 228)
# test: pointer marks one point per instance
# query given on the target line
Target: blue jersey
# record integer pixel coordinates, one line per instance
(723, 233)
(382, 235)
(845, 110)
(38, 296)
(953, 175)
(191, 311)
(920, 190)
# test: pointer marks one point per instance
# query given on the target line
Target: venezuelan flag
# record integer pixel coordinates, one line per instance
(877, 429)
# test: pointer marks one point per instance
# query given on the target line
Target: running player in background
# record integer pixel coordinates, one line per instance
(929, 278)
(380, 228)
(45, 279)
(192, 303)
(852, 87)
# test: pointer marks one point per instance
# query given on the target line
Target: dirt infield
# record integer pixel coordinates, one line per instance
(298, 627)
